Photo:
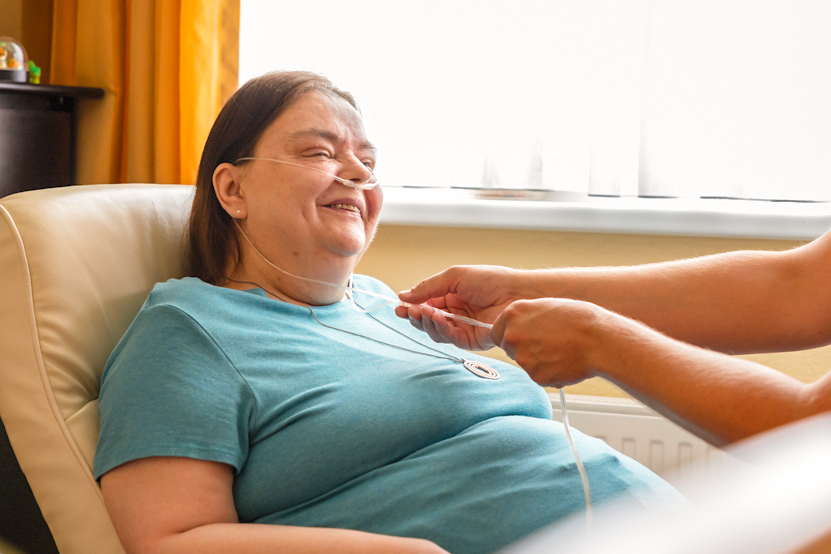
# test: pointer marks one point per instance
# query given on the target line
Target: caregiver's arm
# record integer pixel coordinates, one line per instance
(166, 504)
(748, 301)
(717, 397)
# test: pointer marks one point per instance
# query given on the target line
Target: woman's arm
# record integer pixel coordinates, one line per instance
(717, 397)
(737, 302)
(166, 505)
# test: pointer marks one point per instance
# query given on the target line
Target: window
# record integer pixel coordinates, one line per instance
(659, 99)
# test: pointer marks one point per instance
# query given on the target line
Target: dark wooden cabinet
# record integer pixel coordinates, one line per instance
(37, 135)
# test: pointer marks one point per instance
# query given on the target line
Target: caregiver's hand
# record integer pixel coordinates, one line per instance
(560, 342)
(480, 292)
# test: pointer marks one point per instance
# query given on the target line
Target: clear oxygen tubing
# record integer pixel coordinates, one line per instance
(370, 183)
(349, 289)
(584, 478)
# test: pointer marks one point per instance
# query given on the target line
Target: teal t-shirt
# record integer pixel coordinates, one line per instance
(325, 428)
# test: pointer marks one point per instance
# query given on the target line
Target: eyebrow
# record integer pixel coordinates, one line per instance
(328, 135)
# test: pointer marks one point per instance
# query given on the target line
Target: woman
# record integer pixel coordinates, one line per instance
(255, 393)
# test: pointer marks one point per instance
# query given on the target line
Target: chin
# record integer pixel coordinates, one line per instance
(350, 250)
(351, 243)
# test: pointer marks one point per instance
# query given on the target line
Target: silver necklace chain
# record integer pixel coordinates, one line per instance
(477, 368)
(442, 356)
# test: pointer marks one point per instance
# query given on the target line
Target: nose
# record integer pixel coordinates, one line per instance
(355, 171)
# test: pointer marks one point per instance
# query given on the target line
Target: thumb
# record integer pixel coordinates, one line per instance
(432, 287)
(498, 335)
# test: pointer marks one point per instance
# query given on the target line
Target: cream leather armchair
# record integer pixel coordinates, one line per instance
(76, 264)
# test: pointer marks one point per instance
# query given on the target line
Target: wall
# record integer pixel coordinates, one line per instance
(403, 255)
(36, 34)
(11, 19)
(30, 22)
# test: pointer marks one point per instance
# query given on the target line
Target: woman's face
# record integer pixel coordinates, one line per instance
(298, 216)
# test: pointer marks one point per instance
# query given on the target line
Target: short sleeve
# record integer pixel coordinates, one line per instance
(169, 390)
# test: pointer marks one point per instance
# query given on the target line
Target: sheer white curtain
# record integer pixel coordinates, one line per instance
(738, 100)
(636, 98)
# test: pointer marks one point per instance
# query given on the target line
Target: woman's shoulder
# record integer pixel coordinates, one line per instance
(180, 318)
(189, 299)
(192, 296)
(171, 309)
(175, 291)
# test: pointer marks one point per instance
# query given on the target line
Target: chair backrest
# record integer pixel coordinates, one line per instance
(76, 264)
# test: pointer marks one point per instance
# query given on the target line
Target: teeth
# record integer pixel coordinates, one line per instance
(346, 207)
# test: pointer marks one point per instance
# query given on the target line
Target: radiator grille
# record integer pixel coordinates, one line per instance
(640, 433)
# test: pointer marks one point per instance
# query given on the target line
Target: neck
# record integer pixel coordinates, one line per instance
(310, 286)
(291, 289)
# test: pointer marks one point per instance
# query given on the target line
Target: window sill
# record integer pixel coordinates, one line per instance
(581, 213)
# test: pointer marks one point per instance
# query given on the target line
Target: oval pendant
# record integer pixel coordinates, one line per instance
(480, 370)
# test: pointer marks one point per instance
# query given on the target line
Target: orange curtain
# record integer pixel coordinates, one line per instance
(166, 66)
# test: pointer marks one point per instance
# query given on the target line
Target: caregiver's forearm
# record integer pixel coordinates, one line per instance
(717, 397)
(736, 302)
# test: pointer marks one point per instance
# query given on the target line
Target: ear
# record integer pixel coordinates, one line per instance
(228, 190)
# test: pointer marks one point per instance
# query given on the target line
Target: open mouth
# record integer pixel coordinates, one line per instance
(347, 207)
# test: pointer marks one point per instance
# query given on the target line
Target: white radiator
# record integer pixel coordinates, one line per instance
(637, 431)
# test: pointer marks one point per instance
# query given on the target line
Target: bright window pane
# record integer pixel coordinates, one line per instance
(662, 98)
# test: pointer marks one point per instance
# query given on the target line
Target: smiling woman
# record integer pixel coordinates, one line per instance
(237, 134)
(246, 410)
(296, 218)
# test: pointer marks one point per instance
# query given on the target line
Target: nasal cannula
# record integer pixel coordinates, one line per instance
(389, 300)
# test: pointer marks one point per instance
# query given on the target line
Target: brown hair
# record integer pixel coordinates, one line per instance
(212, 237)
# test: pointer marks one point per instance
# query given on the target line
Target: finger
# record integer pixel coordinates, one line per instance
(414, 316)
(498, 331)
(433, 287)
(452, 331)
(498, 336)
(483, 339)
(432, 321)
